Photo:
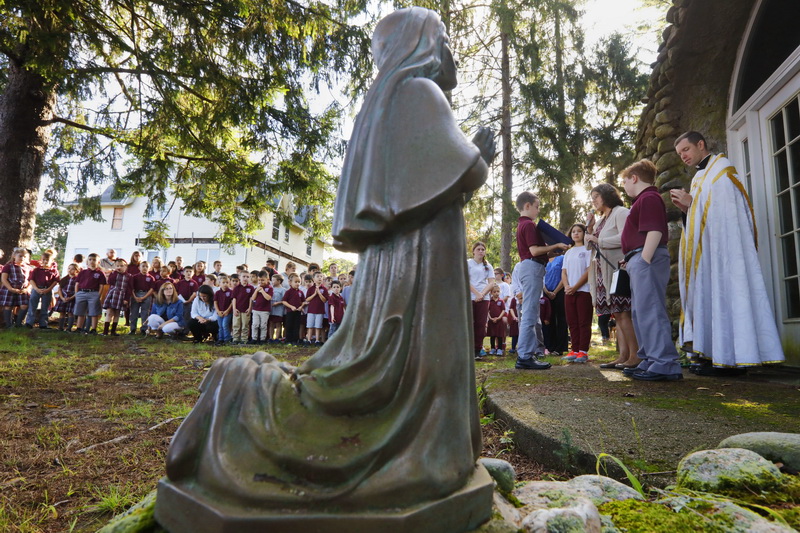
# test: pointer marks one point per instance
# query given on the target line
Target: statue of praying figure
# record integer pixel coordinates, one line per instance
(385, 414)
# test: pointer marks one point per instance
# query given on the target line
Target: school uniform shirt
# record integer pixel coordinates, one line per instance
(42, 277)
(262, 304)
(186, 288)
(293, 297)
(277, 296)
(576, 261)
(177, 275)
(316, 306)
(91, 279)
(199, 278)
(224, 298)
(647, 213)
(528, 235)
(142, 282)
(159, 282)
(336, 308)
(155, 275)
(133, 269)
(243, 293)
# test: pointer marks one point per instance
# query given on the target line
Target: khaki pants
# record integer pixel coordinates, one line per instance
(241, 327)
(260, 321)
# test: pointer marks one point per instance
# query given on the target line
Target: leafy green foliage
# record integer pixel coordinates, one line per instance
(210, 102)
(51, 230)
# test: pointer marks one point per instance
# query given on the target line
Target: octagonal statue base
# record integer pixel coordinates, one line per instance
(180, 511)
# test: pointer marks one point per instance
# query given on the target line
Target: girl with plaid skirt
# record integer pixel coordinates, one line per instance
(118, 297)
(14, 287)
(66, 302)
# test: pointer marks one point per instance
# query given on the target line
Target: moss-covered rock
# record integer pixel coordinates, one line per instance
(724, 515)
(602, 489)
(137, 519)
(727, 469)
(501, 471)
(777, 447)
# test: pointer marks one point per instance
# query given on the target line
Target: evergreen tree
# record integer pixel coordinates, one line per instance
(209, 101)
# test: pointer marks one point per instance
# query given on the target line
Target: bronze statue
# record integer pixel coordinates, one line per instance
(379, 430)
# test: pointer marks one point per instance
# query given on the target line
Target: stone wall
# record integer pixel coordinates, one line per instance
(689, 89)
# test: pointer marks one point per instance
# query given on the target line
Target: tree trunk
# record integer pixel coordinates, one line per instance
(26, 107)
(505, 132)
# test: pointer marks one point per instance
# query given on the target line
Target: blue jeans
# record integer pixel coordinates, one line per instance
(530, 278)
(34, 303)
(224, 334)
(332, 329)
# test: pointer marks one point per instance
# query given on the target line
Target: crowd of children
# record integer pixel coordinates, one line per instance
(245, 307)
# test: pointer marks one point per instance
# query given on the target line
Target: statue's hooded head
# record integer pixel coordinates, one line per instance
(409, 43)
(410, 40)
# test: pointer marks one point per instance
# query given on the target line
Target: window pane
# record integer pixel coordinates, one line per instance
(782, 171)
(792, 120)
(785, 208)
(789, 256)
(286, 234)
(778, 138)
(793, 297)
(746, 149)
(794, 157)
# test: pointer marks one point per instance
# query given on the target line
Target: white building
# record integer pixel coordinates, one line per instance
(192, 238)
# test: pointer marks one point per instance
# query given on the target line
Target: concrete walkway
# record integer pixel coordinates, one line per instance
(564, 417)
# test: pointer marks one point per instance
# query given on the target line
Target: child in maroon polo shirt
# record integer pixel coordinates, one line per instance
(144, 288)
(43, 279)
(644, 243)
(336, 307)
(529, 276)
(118, 297)
(187, 292)
(316, 296)
(87, 300)
(262, 306)
(293, 300)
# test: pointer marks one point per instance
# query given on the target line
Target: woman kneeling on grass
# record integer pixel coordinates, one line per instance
(204, 316)
(167, 314)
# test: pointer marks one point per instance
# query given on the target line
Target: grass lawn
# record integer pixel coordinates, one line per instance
(85, 422)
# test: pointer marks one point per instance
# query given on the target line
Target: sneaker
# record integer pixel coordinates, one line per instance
(512, 351)
(582, 357)
(570, 357)
(499, 353)
(531, 364)
(483, 353)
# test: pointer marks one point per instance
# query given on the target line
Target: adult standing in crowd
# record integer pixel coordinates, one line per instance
(481, 281)
(605, 234)
(106, 264)
(727, 320)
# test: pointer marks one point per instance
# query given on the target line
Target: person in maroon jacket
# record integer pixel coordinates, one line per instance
(43, 280)
(144, 288)
(118, 297)
(87, 287)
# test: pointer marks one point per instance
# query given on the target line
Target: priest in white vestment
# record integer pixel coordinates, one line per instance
(726, 316)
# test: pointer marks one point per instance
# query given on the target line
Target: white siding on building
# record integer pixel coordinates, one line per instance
(192, 233)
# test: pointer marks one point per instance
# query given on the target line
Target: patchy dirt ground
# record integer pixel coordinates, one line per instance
(85, 423)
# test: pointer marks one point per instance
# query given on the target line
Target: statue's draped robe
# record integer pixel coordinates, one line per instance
(385, 413)
(726, 314)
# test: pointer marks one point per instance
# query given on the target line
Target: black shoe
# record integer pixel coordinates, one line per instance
(711, 371)
(531, 364)
(608, 365)
(630, 370)
(29, 326)
(655, 376)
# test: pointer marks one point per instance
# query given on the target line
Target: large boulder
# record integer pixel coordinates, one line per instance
(552, 506)
(725, 515)
(777, 447)
(727, 469)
